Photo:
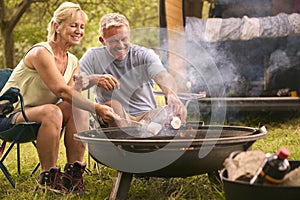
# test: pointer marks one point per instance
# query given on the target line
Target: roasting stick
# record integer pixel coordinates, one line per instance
(137, 122)
(118, 118)
(152, 127)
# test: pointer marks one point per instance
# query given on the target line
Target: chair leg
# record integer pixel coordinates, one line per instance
(37, 165)
(7, 174)
(96, 165)
(35, 169)
(98, 169)
(89, 161)
(18, 158)
(3, 168)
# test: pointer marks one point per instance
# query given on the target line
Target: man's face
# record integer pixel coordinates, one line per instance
(117, 41)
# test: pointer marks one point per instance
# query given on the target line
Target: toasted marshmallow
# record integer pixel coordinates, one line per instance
(176, 122)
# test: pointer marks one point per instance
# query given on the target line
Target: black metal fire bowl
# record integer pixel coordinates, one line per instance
(191, 150)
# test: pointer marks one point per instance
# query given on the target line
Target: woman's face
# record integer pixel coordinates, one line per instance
(72, 30)
(117, 41)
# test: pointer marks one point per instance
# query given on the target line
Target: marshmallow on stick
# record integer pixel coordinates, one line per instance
(176, 122)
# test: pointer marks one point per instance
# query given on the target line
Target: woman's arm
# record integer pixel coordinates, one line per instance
(46, 67)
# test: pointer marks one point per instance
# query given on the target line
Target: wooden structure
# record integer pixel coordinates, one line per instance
(174, 25)
(253, 103)
(173, 15)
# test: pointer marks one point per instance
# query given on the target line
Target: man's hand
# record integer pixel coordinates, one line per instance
(81, 81)
(169, 87)
(176, 107)
(108, 82)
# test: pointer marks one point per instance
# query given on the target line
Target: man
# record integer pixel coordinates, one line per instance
(124, 74)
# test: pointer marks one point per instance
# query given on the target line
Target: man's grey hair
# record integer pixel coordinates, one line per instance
(112, 20)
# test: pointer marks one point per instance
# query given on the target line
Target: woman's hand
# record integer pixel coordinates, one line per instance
(108, 82)
(105, 112)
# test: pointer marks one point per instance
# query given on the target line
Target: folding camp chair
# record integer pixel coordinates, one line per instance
(19, 133)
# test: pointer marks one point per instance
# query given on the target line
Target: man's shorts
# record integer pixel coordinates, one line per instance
(8, 122)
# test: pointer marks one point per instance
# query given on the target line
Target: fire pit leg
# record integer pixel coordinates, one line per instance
(214, 178)
(121, 186)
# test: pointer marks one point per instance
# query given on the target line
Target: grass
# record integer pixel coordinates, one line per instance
(282, 131)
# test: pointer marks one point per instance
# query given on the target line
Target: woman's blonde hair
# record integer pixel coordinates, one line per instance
(65, 11)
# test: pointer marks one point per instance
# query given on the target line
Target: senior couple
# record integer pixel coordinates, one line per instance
(49, 78)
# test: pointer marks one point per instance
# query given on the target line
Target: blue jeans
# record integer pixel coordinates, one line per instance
(7, 122)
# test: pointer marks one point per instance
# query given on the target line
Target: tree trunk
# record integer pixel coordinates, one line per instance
(8, 20)
(9, 50)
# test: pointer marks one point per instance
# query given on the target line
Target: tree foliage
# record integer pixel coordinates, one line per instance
(31, 27)
(10, 14)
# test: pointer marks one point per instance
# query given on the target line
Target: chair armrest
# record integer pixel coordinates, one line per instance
(5, 107)
(13, 95)
(23, 107)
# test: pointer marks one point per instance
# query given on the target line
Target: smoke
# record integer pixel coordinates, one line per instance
(237, 8)
(278, 60)
(204, 57)
(246, 65)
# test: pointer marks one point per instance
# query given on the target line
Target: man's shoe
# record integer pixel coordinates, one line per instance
(72, 178)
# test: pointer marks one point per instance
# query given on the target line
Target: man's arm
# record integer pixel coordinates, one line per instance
(91, 73)
(106, 81)
(169, 87)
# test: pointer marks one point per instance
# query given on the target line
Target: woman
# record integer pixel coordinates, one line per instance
(45, 75)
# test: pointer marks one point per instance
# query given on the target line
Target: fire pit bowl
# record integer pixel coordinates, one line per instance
(242, 190)
(191, 150)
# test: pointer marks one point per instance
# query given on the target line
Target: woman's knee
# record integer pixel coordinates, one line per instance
(50, 117)
(53, 110)
(52, 113)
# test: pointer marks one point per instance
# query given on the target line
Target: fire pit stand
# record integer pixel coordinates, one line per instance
(121, 186)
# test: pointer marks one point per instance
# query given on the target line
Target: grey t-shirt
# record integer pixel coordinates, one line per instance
(135, 74)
